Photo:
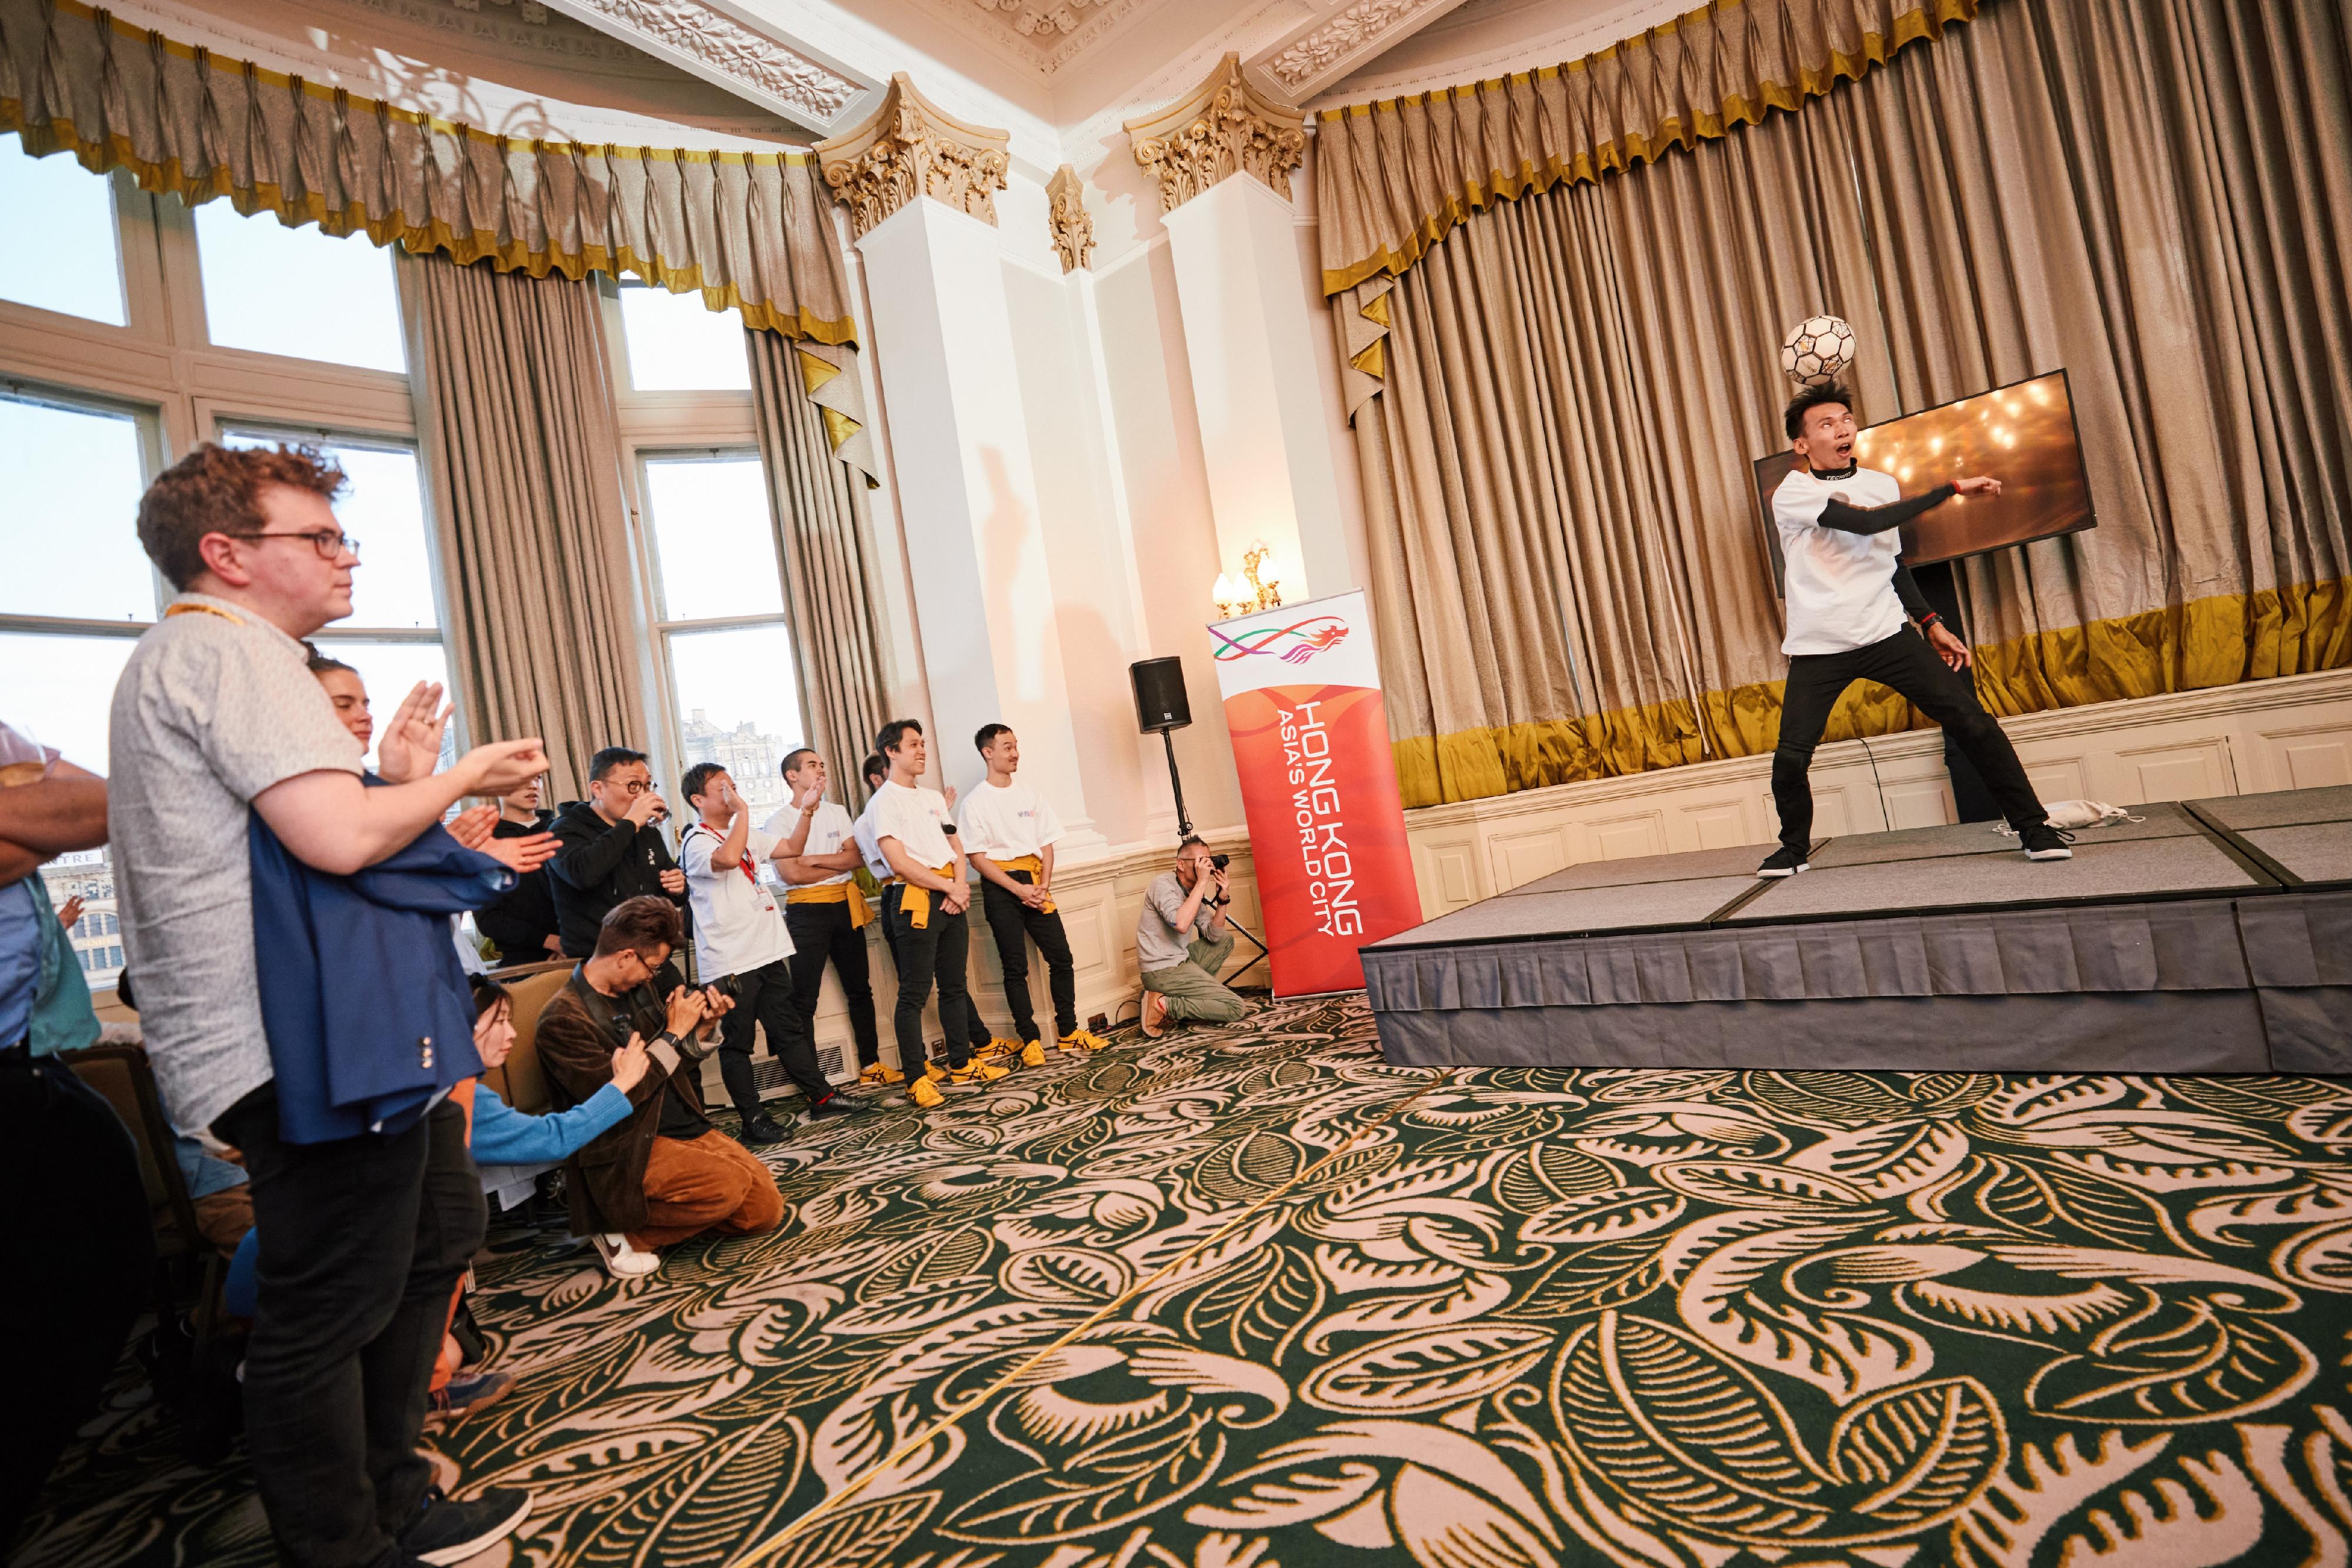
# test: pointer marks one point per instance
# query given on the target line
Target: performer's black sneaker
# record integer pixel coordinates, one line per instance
(1784, 862)
(831, 1105)
(763, 1129)
(2044, 842)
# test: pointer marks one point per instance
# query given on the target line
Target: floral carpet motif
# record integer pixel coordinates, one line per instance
(1250, 1297)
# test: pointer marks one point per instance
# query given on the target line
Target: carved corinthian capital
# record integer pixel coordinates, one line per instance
(1074, 231)
(1221, 128)
(910, 147)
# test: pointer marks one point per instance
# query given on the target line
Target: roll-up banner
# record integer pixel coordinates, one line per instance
(1302, 690)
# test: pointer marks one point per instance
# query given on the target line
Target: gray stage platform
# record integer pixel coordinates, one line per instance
(2210, 937)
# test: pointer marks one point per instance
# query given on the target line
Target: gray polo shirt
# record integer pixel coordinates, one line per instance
(214, 706)
(1158, 945)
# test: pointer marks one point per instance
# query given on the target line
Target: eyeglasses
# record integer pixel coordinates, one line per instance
(329, 543)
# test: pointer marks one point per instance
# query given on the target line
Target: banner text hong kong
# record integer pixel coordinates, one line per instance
(1302, 691)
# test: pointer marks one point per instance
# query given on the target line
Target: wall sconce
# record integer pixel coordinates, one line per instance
(1252, 591)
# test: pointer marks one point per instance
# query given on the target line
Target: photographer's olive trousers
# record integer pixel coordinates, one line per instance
(1193, 991)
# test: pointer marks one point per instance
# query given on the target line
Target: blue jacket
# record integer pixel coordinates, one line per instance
(506, 1137)
(366, 1008)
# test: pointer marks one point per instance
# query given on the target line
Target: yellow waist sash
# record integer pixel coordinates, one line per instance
(917, 900)
(1034, 866)
(860, 912)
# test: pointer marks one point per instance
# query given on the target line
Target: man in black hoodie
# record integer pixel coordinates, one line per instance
(610, 848)
(522, 920)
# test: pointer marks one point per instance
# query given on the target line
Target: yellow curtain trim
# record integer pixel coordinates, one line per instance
(1926, 20)
(815, 372)
(99, 154)
(2219, 641)
(838, 428)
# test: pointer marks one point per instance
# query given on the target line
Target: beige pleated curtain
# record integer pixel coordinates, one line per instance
(750, 230)
(514, 374)
(817, 504)
(1557, 403)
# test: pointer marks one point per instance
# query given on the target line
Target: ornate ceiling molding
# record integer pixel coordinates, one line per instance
(1072, 230)
(1357, 32)
(697, 36)
(910, 147)
(1221, 128)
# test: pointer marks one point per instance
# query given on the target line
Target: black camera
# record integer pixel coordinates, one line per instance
(1220, 862)
(728, 986)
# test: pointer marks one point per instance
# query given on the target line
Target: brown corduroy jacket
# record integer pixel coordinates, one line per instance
(579, 1031)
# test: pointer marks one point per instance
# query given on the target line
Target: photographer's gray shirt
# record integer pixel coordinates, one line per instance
(214, 706)
(1158, 945)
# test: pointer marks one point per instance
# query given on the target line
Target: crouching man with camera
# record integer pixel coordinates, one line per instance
(665, 1174)
(1182, 942)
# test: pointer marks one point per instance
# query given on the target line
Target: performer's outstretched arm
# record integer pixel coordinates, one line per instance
(1915, 603)
(1851, 519)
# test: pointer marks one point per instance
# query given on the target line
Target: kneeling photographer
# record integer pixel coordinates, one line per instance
(741, 943)
(1183, 941)
(666, 1172)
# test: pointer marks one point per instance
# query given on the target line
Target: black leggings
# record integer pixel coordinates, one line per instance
(765, 998)
(823, 931)
(1015, 925)
(1905, 662)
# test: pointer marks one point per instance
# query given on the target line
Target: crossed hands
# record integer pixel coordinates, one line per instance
(476, 830)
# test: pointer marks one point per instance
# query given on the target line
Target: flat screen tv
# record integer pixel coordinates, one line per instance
(2022, 434)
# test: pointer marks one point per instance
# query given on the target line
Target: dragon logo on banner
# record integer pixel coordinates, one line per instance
(1292, 644)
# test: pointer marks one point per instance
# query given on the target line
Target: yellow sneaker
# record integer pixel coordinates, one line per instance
(1084, 1039)
(926, 1094)
(934, 1073)
(998, 1046)
(1070, 1041)
(1033, 1053)
(978, 1071)
(881, 1072)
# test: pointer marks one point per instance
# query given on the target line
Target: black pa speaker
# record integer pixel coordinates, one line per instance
(1160, 704)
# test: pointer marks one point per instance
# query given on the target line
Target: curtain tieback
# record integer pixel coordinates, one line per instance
(1035, 866)
(860, 912)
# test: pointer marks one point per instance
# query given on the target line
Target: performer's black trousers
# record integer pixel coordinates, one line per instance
(1015, 925)
(767, 998)
(1906, 664)
(933, 952)
(823, 931)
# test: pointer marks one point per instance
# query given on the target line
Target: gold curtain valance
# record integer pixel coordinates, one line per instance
(1391, 178)
(751, 231)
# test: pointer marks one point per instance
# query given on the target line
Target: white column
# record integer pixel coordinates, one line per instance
(1253, 348)
(983, 589)
(1224, 156)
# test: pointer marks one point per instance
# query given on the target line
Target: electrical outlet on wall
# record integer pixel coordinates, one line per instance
(1099, 1020)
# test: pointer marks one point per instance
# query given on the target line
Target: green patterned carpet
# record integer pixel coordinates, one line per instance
(1253, 1298)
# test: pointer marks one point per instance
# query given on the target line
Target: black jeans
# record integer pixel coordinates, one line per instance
(823, 931)
(1016, 925)
(766, 999)
(79, 1213)
(1907, 665)
(363, 1241)
(934, 952)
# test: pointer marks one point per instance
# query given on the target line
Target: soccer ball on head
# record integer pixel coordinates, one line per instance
(1817, 349)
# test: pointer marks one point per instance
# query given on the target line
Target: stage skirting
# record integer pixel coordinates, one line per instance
(2210, 937)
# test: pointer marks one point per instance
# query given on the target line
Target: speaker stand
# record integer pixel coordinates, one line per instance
(1263, 956)
(1176, 783)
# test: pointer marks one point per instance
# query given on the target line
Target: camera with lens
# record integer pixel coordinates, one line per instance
(728, 986)
(1220, 862)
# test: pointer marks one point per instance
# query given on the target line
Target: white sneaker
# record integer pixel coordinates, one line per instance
(623, 1261)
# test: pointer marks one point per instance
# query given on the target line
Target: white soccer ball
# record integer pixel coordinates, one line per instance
(1817, 349)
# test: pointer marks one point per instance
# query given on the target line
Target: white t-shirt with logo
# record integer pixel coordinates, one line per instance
(736, 925)
(916, 816)
(829, 829)
(1004, 824)
(1840, 587)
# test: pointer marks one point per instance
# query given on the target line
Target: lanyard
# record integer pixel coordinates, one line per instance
(745, 863)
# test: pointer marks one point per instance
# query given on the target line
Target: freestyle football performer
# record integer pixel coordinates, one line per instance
(1849, 595)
